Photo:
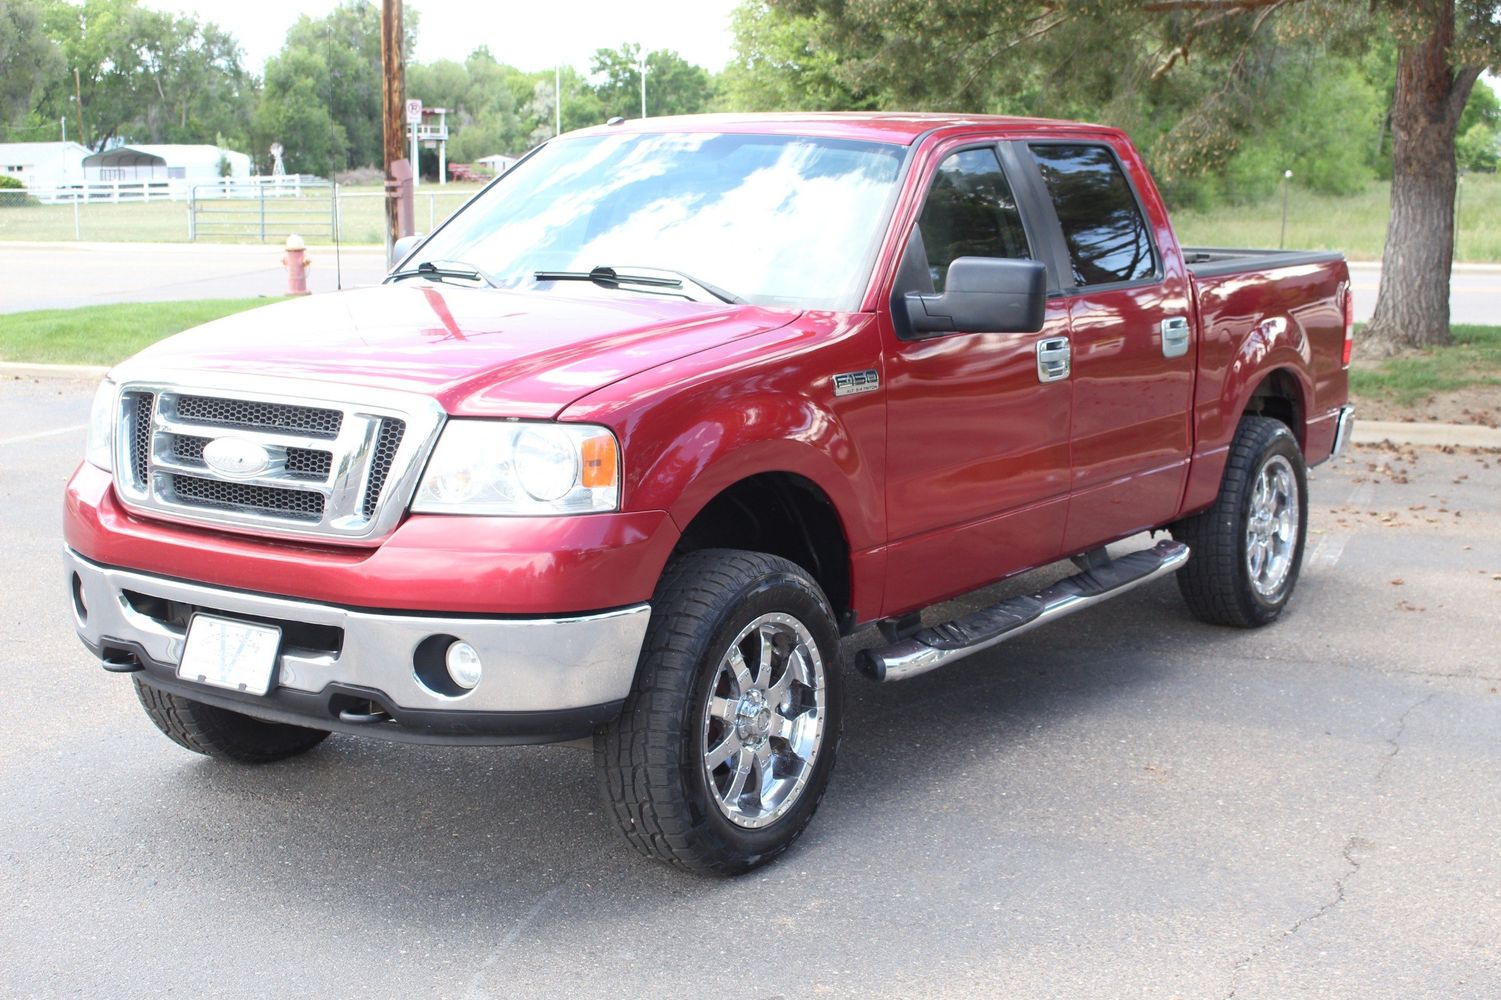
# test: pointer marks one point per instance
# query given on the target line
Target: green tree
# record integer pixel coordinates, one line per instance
(674, 86)
(1479, 141)
(780, 66)
(321, 98)
(29, 60)
(146, 75)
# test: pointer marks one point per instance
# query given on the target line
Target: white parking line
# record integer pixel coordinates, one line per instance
(1326, 554)
(43, 434)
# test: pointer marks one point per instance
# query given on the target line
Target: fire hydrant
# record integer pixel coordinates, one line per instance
(296, 262)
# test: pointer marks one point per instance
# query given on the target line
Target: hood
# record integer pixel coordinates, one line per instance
(478, 351)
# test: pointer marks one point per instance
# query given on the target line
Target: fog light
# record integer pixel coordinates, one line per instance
(463, 664)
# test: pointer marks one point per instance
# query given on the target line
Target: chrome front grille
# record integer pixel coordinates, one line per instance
(294, 465)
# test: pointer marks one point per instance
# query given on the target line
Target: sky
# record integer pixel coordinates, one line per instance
(530, 36)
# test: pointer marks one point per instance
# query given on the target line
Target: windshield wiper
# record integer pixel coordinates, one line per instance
(437, 270)
(611, 278)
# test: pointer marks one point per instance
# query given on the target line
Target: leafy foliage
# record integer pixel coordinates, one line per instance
(145, 75)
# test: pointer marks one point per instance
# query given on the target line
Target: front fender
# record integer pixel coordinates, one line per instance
(691, 428)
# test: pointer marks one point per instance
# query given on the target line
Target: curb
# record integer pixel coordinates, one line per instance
(1442, 435)
(238, 249)
(21, 369)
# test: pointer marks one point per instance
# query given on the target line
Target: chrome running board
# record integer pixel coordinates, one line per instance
(938, 645)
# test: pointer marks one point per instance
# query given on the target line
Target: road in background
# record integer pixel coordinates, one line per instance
(1474, 292)
(1131, 804)
(63, 275)
(59, 275)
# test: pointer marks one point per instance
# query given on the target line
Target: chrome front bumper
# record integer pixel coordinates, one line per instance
(571, 670)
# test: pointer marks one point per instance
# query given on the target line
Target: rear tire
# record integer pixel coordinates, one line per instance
(1247, 548)
(725, 744)
(218, 732)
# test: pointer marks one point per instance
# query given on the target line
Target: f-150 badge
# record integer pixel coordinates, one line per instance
(849, 383)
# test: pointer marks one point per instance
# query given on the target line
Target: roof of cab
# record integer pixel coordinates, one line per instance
(902, 128)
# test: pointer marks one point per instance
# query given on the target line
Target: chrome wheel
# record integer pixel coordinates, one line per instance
(763, 720)
(1272, 527)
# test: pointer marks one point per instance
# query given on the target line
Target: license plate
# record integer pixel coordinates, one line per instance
(237, 655)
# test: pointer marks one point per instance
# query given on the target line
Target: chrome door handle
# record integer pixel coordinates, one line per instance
(1175, 337)
(1053, 359)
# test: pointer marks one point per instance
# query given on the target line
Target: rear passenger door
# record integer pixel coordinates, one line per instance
(1132, 346)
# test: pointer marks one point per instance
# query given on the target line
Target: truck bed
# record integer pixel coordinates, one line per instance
(1209, 262)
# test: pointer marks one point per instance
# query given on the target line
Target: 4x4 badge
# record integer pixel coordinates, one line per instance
(849, 383)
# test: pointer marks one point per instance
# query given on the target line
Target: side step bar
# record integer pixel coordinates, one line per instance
(942, 644)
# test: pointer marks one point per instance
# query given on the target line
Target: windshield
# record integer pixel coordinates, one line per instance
(775, 220)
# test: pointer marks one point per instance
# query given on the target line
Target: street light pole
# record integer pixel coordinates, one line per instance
(642, 65)
(557, 99)
(1287, 175)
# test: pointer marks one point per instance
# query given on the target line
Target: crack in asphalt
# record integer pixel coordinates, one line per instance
(1352, 843)
(1347, 852)
(1394, 740)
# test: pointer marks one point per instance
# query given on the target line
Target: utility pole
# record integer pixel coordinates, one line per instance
(557, 99)
(642, 54)
(1287, 176)
(398, 167)
(83, 135)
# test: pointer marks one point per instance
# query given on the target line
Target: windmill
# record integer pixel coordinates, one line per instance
(278, 169)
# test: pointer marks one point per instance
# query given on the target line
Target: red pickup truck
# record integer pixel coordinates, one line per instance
(624, 448)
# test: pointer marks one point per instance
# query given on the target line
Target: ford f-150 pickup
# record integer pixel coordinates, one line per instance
(623, 448)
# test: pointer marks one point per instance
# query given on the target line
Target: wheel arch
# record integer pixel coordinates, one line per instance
(785, 514)
(1282, 395)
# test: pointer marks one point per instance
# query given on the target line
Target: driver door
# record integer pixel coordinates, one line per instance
(977, 422)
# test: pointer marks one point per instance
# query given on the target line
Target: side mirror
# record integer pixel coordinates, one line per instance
(984, 295)
(402, 247)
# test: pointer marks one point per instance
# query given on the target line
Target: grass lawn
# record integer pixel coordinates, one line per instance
(103, 335)
(1473, 361)
(1354, 224)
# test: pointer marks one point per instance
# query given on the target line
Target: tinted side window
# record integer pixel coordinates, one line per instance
(970, 212)
(1102, 225)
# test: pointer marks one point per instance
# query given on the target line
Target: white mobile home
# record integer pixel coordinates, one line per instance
(43, 164)
(134, 164)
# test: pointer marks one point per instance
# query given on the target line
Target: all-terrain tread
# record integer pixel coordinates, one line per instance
(217, 732)
(637, 759)
(1213, 581)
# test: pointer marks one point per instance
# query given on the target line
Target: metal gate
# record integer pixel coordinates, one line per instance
(264, 209)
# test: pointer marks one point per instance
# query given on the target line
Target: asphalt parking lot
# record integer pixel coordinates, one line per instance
(1128, 804)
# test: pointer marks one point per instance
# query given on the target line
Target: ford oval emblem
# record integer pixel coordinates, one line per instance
(235, 457)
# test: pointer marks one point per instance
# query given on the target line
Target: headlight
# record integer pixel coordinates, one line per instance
(102, 419)
(495, 467)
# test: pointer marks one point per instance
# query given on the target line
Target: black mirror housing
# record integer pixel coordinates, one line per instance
(984, 295)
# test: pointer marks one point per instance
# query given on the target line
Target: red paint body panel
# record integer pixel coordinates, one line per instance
(480, 565)
(479, 352)
(1253, 324)
(693, 427)
(1132, 437)
(961, 470)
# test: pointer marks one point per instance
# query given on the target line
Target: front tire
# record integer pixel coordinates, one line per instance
(218, 732)
(1247, 549)
(725, 744)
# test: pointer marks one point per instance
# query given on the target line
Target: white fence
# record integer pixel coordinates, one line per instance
(176, 189)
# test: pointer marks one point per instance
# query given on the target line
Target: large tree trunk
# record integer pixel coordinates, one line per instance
(1412, 307)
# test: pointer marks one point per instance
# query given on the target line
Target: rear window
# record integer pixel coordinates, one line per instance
(1106, 236)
